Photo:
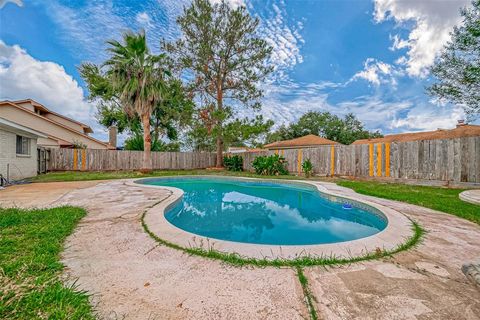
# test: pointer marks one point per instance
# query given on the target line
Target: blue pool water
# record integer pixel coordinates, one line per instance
(265, 212)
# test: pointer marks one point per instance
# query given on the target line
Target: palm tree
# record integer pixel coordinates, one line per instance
(139, 78)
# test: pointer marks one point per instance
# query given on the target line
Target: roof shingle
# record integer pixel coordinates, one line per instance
(466, 130)
(310, 140)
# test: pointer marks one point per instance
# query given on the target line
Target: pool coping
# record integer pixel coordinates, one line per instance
(396, 233)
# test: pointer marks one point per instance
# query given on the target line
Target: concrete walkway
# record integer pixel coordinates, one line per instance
(132, 277)
(472, 196)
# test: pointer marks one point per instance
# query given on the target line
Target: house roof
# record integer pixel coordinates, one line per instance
(40, 106)
(463, 130)
(4, 123)
(6, 102)
(305, 141)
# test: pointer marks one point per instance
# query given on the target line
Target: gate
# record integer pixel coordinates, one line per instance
(42, 159)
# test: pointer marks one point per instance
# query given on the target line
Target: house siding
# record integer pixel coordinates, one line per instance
(20, 166)
(34, 122)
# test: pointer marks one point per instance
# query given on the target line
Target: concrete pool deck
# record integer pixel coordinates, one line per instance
(472, 196)
(133, 277)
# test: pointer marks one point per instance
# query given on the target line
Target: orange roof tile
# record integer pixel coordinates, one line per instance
(310, 140)
(466, 130)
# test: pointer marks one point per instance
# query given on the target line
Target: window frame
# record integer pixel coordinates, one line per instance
(24, 148)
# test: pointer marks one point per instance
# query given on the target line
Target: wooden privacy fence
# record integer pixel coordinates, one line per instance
(107, 160)
(446, 160)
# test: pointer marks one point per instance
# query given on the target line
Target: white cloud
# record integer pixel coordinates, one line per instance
(144, 19)
(17, 2)
(426, 117)
(284, 37)
(79, 27)
(376, 72)
(232, 3)
(287, 102)
(433, 21)
(23, 76)
(84, 29)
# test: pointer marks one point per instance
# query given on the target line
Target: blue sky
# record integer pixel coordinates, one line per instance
(369, 57)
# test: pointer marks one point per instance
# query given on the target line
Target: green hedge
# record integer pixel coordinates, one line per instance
(273, 165)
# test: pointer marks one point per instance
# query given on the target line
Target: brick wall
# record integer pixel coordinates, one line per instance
(21, 166)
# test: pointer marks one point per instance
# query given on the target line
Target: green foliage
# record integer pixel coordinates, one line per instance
(237, 133)
(307, 168)
(458, 68)
(233, 163)
(170, 115)
(327, 125)
(272, 165)
(135, 142)
(225, 58)
(30, 267)
(132, 85)
(79, 145)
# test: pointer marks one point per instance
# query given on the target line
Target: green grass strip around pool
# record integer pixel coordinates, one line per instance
(303, 261)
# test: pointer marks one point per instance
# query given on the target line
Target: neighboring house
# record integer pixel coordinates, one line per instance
(308, 141)
(461, 130)
(18, 150)
(59, 131)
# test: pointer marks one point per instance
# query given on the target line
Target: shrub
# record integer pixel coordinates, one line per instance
(307, 168)
(273, 165)
(233, 163)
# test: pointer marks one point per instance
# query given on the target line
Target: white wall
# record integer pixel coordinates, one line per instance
(21, 166)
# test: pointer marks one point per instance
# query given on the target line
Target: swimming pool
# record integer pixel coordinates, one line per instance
(267, 212)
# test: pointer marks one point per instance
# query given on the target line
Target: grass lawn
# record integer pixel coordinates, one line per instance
(437, 198)
(82, 176)
(30, 244)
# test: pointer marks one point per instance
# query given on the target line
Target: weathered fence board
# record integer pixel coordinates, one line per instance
(455, 160)
(109, 160)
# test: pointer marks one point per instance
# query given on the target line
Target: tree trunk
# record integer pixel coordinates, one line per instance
(219, 152)
(147, 145)
(219, 131)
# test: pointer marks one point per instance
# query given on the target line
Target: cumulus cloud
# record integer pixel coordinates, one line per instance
(432, 23)
(425, 117)
(376, 72)
(22, 76)
(285, 103)
(285, 38)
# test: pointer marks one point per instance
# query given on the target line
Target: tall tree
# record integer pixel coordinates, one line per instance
(134, 78)
(170, 115)
(326, 125)
(458, 67)
(236, 133)
(225, 58)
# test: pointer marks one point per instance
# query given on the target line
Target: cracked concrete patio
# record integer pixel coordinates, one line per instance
(132, 277)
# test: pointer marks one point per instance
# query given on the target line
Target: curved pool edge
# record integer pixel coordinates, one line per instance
(397, 232)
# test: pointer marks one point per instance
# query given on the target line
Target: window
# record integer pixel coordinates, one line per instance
(23, 145)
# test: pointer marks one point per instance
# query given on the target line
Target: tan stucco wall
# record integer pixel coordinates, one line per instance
(27, 105)
(65, 122)
(48, 143)
(38, 123)
(21, 166)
